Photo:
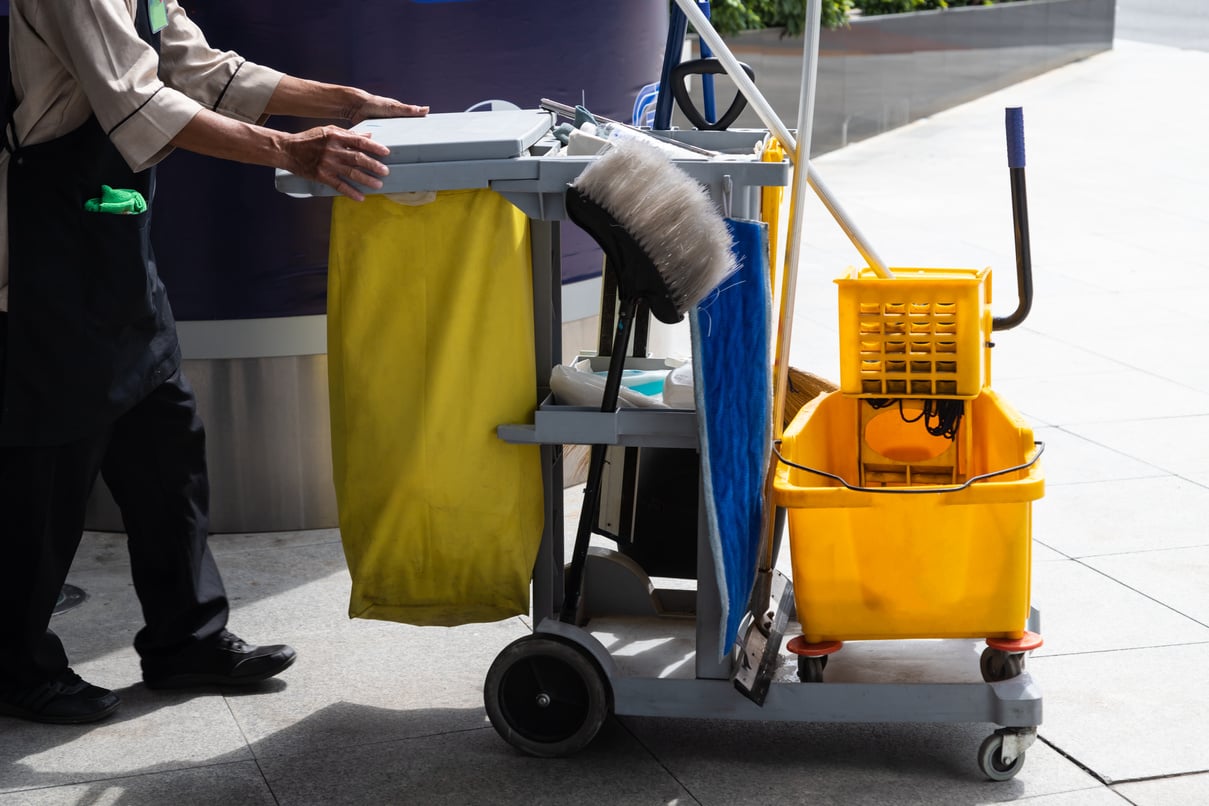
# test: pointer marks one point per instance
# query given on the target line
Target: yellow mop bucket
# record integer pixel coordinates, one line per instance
(897, 533)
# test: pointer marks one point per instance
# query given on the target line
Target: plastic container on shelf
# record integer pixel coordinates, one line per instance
(904, 559)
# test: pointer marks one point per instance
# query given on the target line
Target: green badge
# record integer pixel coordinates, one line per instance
(157, 11)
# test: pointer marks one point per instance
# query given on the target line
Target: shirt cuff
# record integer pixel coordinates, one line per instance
(144, 138)
(247, 95)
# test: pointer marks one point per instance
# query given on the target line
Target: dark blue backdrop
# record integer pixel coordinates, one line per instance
(229, 246)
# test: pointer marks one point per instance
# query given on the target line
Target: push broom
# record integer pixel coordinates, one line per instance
(667, 247)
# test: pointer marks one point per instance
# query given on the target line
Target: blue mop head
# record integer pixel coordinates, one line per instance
(668, 214)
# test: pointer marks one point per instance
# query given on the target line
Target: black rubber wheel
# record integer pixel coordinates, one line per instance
(997, 665)
(545, 696)
(990, 760)
(810, 669)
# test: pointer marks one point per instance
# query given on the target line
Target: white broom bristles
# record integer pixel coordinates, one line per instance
(668, 213)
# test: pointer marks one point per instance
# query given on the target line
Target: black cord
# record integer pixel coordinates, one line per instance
(942, 418)
(947, 414)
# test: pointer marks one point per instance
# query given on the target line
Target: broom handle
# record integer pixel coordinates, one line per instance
(801, 157)
(591, 503)
(793, 253)
(770, 119)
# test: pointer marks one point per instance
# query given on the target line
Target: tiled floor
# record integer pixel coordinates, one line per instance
(1109, 368)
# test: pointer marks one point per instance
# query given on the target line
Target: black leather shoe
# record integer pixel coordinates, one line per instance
(223, 660)
(66, 700)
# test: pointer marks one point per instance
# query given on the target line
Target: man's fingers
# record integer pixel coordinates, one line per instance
(349, 161)
(347, 179)
(345, 189)
(354, 160)
(364, 142)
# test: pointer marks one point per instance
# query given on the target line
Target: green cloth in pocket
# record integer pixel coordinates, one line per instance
(117, 200)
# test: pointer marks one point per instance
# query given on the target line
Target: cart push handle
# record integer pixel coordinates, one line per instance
(1014, 122)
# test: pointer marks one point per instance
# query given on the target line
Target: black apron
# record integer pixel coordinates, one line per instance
(90, 331)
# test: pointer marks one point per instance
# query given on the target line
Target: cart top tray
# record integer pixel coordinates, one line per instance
(512, 152)
(446, 137)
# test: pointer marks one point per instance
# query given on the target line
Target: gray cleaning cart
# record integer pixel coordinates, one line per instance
(640, 649)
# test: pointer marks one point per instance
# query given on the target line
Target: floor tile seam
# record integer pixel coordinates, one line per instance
(1175, 307)
(265, 779)
(1070, 424)
(1101, 779)
(1195, 413)
(1186, 477)
(243, 734)
(1046, 655)
(1081, 557)
(1163, 777)
(1067, 429)
(344, 748)
(130, 776)
(621, 721)
(1144, 595)
(1148, 371)
(1159, 474)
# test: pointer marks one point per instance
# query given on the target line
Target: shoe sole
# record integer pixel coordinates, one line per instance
(50, 719)
(192, 680)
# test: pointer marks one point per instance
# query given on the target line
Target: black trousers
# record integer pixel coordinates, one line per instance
(153, 459)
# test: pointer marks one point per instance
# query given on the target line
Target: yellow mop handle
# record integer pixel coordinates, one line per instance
(771, 197)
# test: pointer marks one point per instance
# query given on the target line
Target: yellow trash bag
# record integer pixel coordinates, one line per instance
(430, 347)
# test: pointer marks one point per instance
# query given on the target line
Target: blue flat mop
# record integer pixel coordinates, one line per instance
(733, 391)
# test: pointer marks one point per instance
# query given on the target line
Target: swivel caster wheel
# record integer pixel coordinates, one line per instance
(810, 670)
(812, 657)
(545, 696)
(997, 665)
(1001, 754)
(1003, 658)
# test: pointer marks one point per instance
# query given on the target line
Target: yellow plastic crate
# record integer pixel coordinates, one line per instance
(909, 563)
(922, 334)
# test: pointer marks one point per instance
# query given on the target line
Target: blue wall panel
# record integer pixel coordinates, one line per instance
(230, 246)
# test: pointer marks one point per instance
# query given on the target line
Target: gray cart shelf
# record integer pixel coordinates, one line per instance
(677, 623)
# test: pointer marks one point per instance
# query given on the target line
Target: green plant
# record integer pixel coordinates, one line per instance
(732, 16)
(871, 7)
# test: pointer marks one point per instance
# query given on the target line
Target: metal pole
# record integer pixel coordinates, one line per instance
(793, 254)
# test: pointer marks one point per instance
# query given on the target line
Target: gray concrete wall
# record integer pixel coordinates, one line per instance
(885, 71)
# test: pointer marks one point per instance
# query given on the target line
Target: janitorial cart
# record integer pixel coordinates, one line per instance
(906, 493)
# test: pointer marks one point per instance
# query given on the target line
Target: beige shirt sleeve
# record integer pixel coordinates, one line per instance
(143, 100)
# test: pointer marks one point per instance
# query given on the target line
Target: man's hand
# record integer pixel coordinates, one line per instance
(302, 98)
(330, 155)
(337, 158)
(377, 106)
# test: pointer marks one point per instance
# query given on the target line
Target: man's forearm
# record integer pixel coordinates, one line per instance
(313, 99)
(338, 158)
(217, 136)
